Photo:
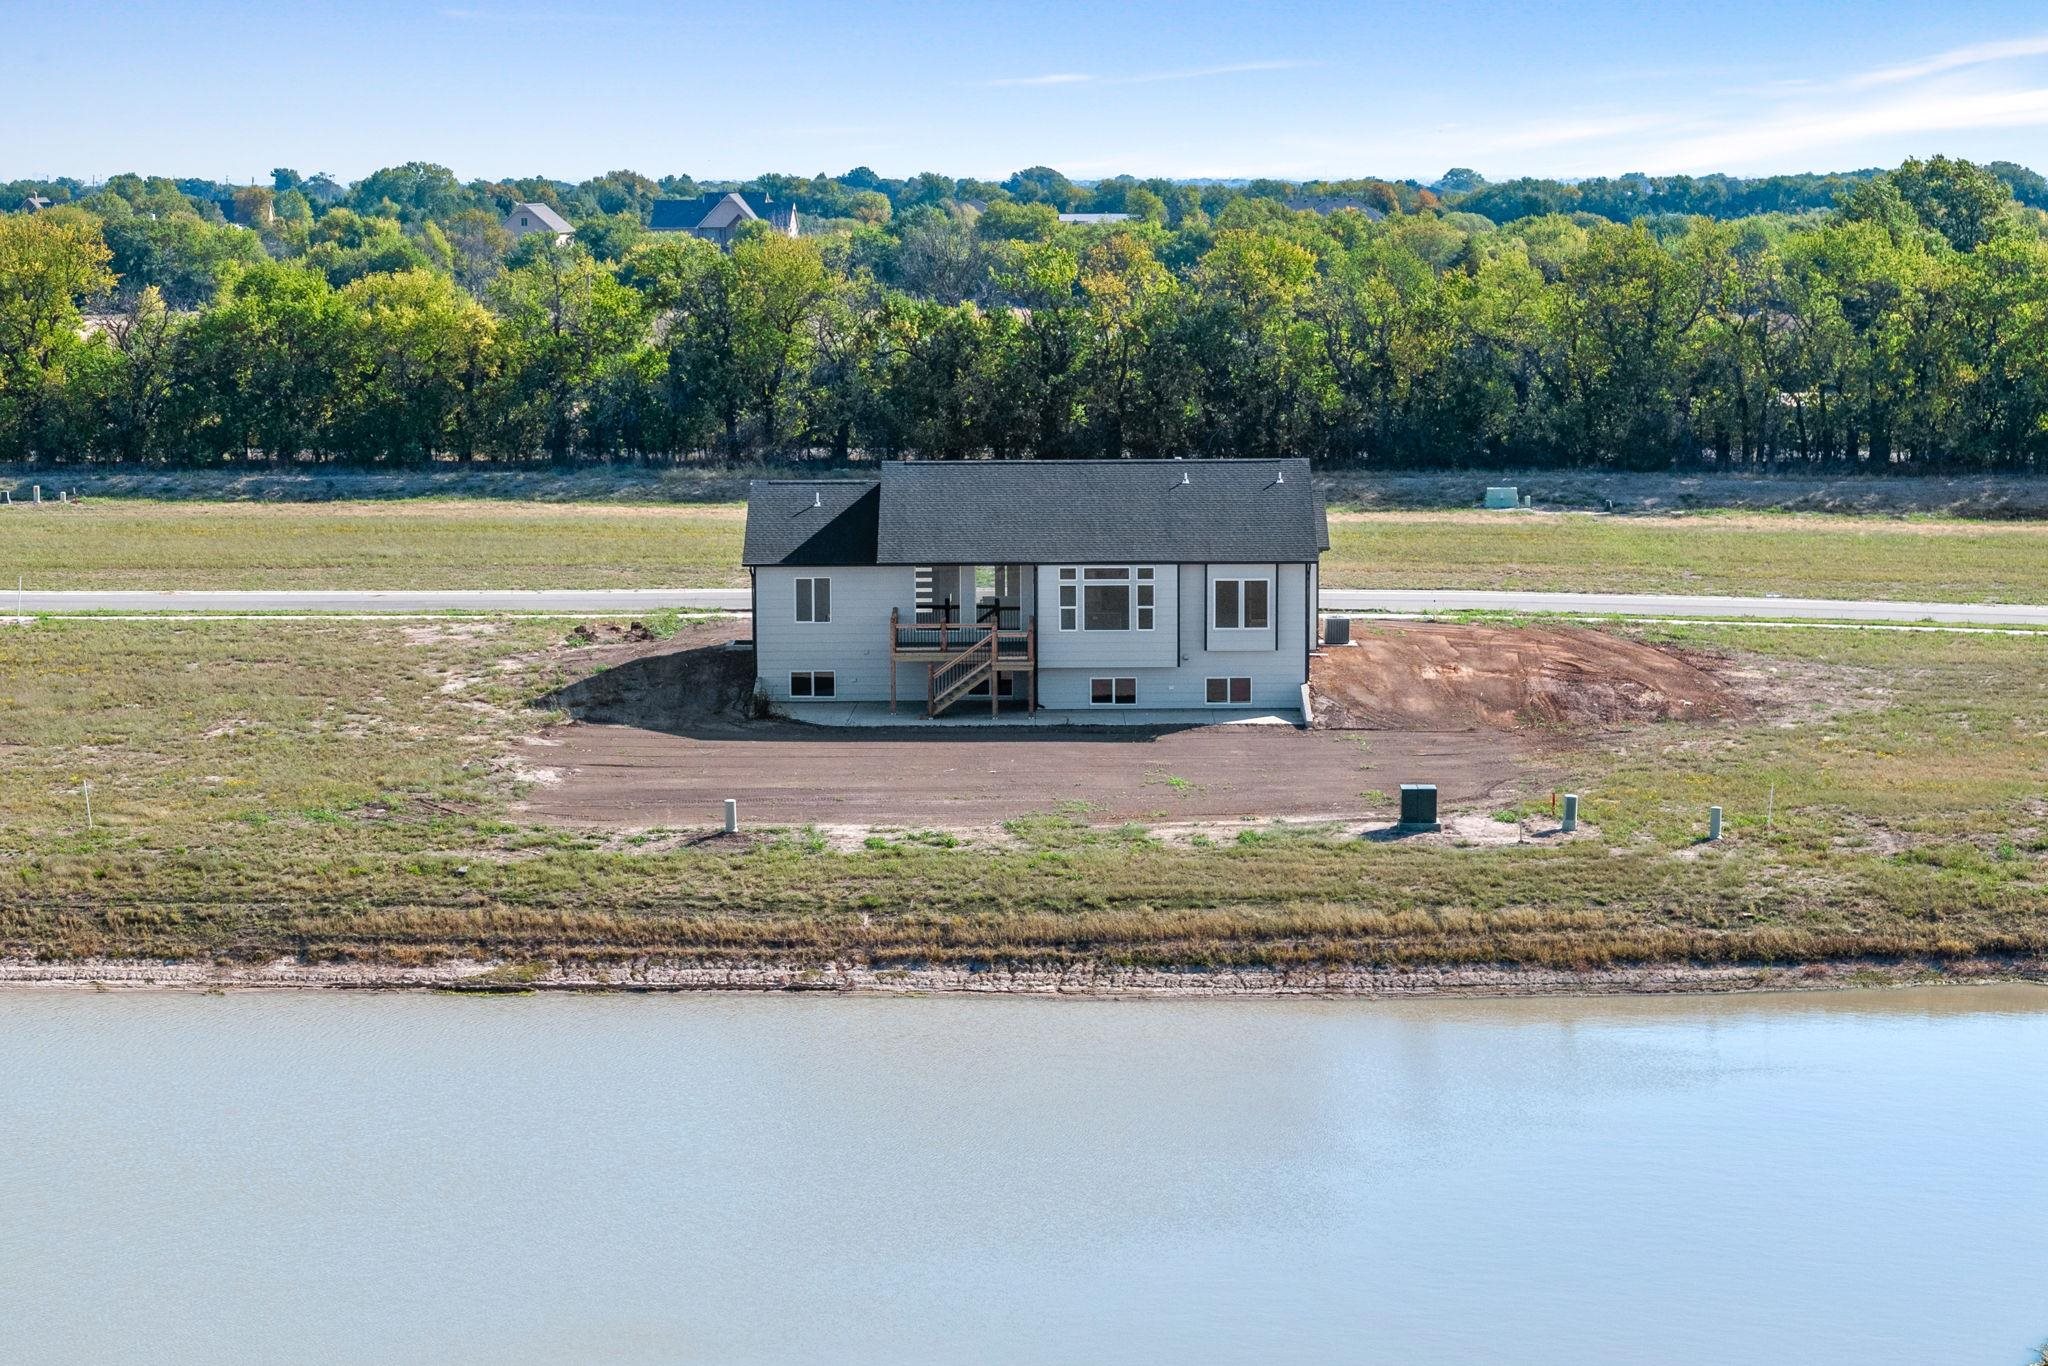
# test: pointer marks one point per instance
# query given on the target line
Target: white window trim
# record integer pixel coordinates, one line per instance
(1113, 680)
(814, 675)
(1073, 579)
(1240, 580)
(797, 592)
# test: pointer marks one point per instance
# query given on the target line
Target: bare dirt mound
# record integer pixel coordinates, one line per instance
(697, 681)
(1433, 676)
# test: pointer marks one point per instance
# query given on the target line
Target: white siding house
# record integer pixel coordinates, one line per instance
(1102, 589)
(527, 219)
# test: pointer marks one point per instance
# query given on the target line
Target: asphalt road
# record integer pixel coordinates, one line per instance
(627, 601)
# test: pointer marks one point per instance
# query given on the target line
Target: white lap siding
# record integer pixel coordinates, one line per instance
(1173, 662)
(853, 645)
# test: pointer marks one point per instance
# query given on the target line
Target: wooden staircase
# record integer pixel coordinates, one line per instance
(961, 675)
(960, 657)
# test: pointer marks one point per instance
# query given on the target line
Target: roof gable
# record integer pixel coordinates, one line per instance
(811, 521)
(715, 209)
(543, 215)
(727, 211)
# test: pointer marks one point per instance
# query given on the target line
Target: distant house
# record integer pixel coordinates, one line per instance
(1108, 590)
(716, 217)
(1096, 217)
(528, 219)
(35, 203)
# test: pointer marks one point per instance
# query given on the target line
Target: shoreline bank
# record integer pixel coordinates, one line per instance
(1359, 983)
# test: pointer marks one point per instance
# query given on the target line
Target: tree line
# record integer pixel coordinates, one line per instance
(395, 322)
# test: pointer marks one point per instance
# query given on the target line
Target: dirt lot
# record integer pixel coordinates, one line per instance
(660, 737)
(1434, 676)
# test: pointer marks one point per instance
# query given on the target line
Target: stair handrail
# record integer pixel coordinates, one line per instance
(961, 672)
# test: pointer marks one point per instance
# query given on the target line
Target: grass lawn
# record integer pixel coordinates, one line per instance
(428, 543)
(338, 791)
(1815, 556)
(433, 543)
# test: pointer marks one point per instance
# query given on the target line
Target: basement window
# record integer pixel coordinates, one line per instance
(1229, 692)
(813, 683)
(814, 600)
(1113, 692)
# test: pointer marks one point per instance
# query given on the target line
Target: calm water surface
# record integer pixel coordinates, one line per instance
(341, 1178)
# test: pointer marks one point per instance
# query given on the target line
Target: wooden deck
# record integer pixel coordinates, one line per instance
(961, 656)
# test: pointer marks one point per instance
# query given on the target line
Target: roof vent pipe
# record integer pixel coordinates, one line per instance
(817, 498)
(1280, 476)
(1184, 476)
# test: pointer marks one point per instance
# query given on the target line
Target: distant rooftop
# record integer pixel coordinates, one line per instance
(545, 216)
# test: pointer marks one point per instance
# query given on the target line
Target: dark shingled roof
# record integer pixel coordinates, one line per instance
(1068, 511)
(681, 215)
(1043, 512)
(811, 521)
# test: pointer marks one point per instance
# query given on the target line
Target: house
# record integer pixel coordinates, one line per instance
(716, 217)
(1104, 590)
(35, 203)
(528, 219)
(1096, 218)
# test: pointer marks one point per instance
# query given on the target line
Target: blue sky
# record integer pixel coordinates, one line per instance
(1314, 88)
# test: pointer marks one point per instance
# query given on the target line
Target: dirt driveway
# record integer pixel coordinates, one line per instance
(613, 775)
(660, 739)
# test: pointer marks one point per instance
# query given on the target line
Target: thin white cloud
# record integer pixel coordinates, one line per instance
(1051, 78)
(1563, 132)
(1955, 59)
(1780, 139)
(1150, 77)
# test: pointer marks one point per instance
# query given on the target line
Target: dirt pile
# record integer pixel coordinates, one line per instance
(1433, 676)
(699, 680)
(611, 633)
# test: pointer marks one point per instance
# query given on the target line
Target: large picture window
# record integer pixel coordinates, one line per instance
(1241, 604)
(814, 599)
(1108, 597)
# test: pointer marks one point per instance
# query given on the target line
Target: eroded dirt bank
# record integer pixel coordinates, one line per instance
(1364, 983)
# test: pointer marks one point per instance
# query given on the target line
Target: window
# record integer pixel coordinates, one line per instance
(813, 683)
(814, 600)
(1240, 604)
(1107, 597)
(1113, 692)
(1230, 692)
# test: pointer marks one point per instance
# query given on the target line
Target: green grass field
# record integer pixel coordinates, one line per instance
(1733, 553)
(338, 791)
(453, 544)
